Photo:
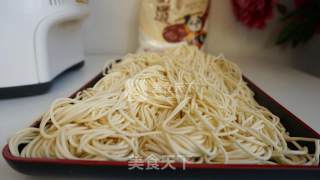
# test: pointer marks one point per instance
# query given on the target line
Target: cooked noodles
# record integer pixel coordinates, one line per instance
(182, 102)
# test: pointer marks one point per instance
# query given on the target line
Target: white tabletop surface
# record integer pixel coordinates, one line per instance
(296, 90)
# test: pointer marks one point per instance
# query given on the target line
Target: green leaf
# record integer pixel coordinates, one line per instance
(306, 32)
(301, 24)
(288, 32)
(298, 31)
(317, 2)
(295, 13)
(282, 9)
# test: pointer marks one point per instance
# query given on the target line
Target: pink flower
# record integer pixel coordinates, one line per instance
(253, 13)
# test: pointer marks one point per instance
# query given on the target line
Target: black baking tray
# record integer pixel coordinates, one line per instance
(63, 167)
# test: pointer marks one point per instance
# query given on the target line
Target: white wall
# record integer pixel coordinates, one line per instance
(112, 26)
(228, 36)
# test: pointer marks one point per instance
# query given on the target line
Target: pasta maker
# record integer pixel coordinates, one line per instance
(39, 39)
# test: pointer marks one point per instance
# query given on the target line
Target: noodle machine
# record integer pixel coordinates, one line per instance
(39, 39)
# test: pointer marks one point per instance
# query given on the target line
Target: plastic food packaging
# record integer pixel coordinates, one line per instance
(168, 23)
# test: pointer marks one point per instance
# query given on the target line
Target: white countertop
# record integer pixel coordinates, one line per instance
(297, 91)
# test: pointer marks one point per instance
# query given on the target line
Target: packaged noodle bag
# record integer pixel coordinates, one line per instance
(168, 23)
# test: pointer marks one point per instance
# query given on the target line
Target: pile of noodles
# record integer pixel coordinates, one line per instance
(182, 102)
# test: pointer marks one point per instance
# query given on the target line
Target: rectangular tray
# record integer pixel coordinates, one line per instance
(296, 127)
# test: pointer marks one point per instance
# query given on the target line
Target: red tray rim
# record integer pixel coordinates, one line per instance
(9, 157)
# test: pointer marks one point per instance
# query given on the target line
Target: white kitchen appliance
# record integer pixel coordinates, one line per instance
(39, 39)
